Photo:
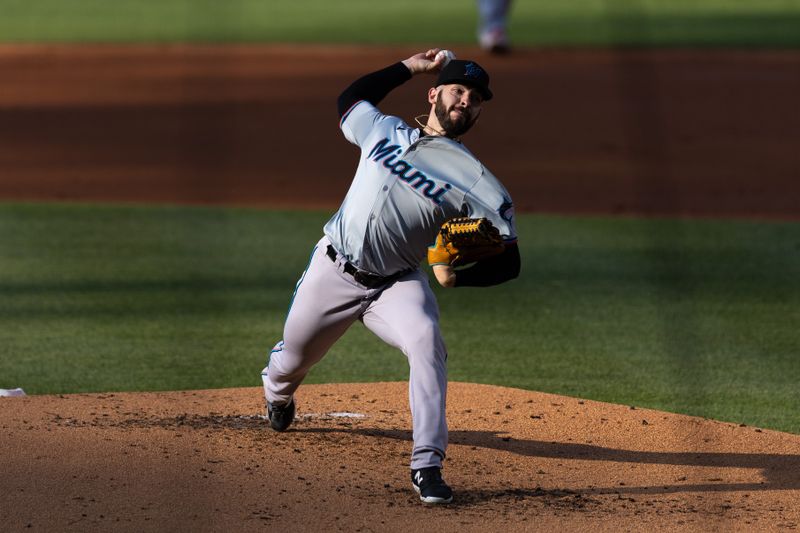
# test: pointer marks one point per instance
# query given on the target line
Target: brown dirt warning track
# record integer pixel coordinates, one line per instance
(702, 133)
(676, 133)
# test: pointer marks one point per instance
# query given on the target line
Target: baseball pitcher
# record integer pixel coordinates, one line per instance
(417, 194)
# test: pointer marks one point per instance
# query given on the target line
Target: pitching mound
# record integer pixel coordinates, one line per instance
(518, 460)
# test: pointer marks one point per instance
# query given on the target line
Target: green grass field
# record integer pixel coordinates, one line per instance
(697, 317)
(750, 23)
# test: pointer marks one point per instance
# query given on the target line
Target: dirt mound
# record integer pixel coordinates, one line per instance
(518, 460)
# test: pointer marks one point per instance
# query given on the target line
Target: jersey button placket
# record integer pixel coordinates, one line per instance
(380, 200)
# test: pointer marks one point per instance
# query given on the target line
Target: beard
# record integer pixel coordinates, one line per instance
(453, 127)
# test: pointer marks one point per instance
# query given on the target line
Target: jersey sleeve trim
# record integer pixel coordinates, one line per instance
(347, 113)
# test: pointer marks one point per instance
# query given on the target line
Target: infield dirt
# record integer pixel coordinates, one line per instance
(518, 461)
(711, 133)
(701, 133)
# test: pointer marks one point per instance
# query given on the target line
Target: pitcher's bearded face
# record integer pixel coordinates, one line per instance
(457, 108)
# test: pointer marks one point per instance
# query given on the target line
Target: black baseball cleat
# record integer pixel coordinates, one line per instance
(430, 486)
(280, 416)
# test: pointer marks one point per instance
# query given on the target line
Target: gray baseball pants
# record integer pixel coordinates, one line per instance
(403, 313)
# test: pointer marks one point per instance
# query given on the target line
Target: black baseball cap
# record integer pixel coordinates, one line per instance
(467, 73)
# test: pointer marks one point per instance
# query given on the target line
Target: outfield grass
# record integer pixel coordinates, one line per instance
(697, 317)
(771, 23)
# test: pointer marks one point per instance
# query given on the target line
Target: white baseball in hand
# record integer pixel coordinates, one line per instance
(444, 57)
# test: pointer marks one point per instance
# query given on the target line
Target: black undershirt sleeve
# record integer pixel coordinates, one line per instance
(491, 271)
(373, 87)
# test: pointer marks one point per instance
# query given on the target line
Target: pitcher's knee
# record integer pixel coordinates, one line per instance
(428, 333)
(427, 344)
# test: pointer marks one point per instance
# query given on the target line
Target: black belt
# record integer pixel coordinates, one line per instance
(364, 278)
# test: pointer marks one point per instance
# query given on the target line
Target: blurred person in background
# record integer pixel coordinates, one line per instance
(492, 25)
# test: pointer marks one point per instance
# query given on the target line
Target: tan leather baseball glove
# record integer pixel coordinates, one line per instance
(465, 240)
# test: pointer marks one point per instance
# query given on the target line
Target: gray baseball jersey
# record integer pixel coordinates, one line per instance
(405, 187)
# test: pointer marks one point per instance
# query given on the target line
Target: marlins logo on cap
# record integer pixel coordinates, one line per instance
(467, 73)
(472, 70)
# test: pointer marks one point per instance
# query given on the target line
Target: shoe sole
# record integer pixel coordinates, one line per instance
(431, 499)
